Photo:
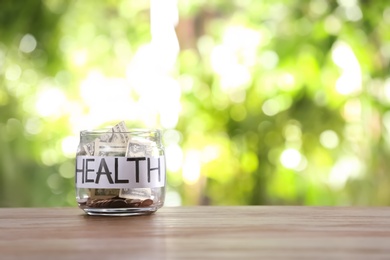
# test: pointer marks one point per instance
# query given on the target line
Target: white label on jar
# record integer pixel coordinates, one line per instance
(119, 172)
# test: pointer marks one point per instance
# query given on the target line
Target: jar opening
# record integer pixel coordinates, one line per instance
(135, 131)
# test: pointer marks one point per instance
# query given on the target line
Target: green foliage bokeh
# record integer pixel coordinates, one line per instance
(284, 134)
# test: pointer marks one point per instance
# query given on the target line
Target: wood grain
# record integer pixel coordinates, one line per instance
(202, 232)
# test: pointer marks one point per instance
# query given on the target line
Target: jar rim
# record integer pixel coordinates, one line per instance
(129, 131)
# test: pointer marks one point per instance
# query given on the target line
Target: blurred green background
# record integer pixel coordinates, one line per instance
(280, 102)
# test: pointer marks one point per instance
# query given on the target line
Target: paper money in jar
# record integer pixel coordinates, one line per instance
(120, 171)
(110, 143)
(139, 147)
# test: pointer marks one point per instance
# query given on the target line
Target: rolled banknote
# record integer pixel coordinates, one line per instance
(138, 147)
(109, 149)
(112, 143)
(103, 193)
(116, 135)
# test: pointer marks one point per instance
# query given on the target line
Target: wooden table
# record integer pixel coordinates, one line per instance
(204, 232)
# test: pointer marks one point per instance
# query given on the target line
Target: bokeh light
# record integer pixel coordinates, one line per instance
(283, 102)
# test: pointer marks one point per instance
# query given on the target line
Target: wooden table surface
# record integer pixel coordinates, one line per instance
(202, 232)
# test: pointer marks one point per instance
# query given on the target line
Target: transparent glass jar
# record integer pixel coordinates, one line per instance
(120, 172)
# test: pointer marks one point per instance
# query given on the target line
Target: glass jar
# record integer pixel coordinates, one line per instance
(120, 172)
